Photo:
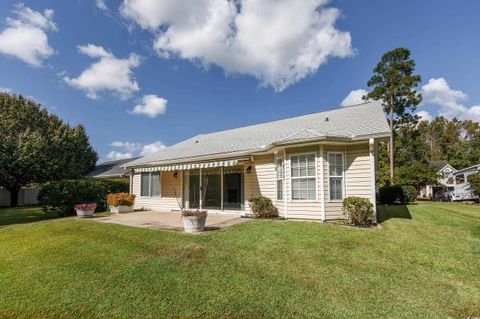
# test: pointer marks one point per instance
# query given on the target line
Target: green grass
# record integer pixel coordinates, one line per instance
(423, 263)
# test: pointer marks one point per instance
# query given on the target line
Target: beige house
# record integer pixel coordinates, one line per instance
(306, 165)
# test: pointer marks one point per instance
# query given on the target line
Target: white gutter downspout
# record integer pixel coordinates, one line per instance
(285, 209)
(371, 143)
(322, 183)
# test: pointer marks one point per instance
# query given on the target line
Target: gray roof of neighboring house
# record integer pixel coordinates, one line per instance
(471, 168)
(111, 169)
(439, 164)
(352, 122)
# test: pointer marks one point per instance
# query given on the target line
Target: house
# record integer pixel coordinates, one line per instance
(445, 179)
(306, 165)
(111, 169)
(462, 190)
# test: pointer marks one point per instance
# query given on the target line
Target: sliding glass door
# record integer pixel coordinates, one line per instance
(232, 188)
(222, 188)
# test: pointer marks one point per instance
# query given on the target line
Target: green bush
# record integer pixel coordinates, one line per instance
(359, 211)
(389, 195)
(262, 207)
(61, 196)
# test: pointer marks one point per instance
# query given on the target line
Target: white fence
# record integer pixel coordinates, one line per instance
(26, 196)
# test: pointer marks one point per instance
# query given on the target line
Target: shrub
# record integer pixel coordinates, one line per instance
(194, 212)
(263, 207)
(359, 211)
(389, 195)
(124, 199)
(474, 181)
(61, 196)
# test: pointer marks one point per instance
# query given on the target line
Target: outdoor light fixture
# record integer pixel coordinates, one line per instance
(175, 174)
(249, 169)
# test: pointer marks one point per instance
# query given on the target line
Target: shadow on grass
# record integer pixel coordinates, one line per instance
(386, 212)
(23, 215)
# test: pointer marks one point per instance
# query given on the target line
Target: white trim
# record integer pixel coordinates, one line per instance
(373, 195)
(345, 194)
(221, 188)
(200, 187)
(343, 177)
(275, 159)
(322, 183)
(303, 177)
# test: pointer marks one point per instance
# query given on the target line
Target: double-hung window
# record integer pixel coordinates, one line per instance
(150, 184)
(279, 168)
(335, 170)
(303, 177)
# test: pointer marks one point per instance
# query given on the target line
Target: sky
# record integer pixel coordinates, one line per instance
(141, 75)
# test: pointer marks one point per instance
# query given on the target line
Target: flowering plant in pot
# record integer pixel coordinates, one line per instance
(120, 202)
(193, 219)
(85, 210)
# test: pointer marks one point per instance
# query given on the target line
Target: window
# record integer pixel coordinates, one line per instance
(303, 177)
(150, 184)
(279, 168)
(335, 172)
(460, 179)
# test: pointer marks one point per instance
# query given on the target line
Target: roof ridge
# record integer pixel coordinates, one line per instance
(289, 118)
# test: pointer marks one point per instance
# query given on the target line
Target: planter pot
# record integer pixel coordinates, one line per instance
(87, 213)
(193, 224)
(121, 209)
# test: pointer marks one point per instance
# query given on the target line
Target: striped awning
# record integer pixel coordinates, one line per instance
(182, 167)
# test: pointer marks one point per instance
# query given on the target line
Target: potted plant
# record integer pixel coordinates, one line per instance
(193, 219)
(120, 202)
(85, 210)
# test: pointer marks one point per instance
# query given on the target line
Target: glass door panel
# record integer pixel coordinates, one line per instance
(194, 188)
(212, 188)
(233, 188)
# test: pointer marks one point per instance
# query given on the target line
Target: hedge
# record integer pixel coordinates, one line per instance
(359, 211)
(389, 195)
(61, 196)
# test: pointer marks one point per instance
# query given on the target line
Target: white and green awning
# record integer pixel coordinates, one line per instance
(182, 167)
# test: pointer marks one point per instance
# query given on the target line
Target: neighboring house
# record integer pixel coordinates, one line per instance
(26, 196)
(462, 190)
(111, 169)
(306, 165)
(445, 180)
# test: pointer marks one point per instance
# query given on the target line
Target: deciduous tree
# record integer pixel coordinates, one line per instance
(37, 146)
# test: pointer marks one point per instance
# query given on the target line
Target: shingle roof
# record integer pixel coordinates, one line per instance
(353, 122)
(111, 169)
(439, 164)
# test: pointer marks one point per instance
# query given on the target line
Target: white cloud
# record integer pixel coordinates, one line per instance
(113, 155)
(151, 106)
(5, 90)
(108, 74)
(438, 92)
(26, 35)
(152, 148)
(101, 4)
(135, 148)
(424, 116)
(354, 97)
(278, 42)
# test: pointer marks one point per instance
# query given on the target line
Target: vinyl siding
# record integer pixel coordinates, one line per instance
(261, 181)
(167, 202)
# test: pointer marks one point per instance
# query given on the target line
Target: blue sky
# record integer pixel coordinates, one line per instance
(140, 74)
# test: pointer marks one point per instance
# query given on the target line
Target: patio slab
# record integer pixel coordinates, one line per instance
(168, 220)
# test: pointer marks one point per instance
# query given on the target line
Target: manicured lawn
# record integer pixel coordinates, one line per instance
(423, 263)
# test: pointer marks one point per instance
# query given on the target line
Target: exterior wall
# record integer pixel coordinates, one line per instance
(261, 181)
(169, 185)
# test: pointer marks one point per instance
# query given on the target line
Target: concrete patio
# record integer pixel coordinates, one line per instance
(168, 220)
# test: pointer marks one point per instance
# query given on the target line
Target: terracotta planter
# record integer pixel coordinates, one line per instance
(85, 213)
(121, 209)
(194, 224)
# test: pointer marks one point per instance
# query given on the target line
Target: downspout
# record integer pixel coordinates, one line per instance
(285, 208)
(322, 182)
(371, 144)
(131, 180)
